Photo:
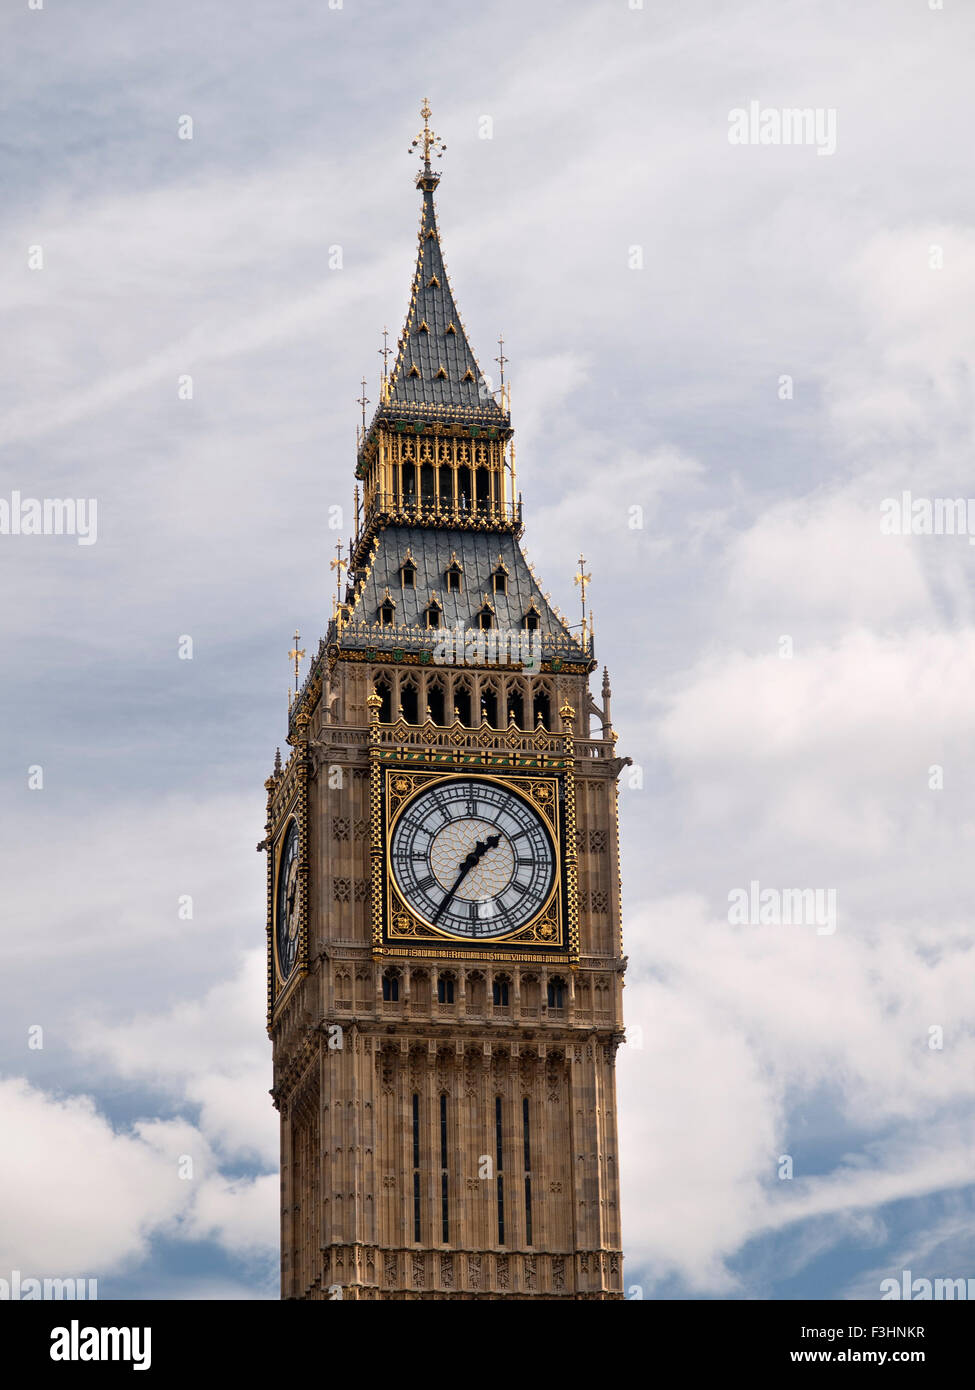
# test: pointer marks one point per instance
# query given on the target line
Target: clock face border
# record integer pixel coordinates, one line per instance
(291, 820)
(402, 925)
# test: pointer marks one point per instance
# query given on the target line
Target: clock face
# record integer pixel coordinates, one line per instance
(472, 858)
(288, 909)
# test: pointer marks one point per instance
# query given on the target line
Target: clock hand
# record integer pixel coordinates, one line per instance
(480, 849)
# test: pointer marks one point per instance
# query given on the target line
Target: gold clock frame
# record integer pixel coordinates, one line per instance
(397, 927)
(295, 810)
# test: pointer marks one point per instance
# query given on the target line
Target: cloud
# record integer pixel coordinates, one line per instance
(730, 1043)
(208, 1052)
(654, 388)
(86, 1198)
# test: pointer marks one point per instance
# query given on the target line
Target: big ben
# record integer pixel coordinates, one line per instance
(445, 960)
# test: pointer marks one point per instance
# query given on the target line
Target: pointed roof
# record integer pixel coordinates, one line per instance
(436, 550)
(435, 364)
(435, 378)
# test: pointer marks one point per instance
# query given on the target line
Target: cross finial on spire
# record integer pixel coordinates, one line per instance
(430, 140)
(338, 565)
(295, 655)
(582, 579)
(501, 359)
(363, 400)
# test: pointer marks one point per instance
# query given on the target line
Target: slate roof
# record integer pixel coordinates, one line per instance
(435, 365)
(431, 551)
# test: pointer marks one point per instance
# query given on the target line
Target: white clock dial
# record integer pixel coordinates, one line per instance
(288, 910)
(472, 858)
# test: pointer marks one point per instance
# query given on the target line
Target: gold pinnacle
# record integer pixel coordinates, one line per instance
(431, 140)
(296, 655)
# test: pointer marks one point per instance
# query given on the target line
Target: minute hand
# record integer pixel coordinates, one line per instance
(480, 849)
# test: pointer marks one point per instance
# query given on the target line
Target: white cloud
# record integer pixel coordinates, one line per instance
(736, 1040)
(85, 1197)
(210, 1052)
(654, 388)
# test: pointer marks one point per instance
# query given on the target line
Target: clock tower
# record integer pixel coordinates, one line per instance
(445, 963)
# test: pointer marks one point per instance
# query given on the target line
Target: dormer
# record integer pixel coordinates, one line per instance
(386, 614)
(531, 618)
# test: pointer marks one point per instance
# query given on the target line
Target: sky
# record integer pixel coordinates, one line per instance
(724, 358)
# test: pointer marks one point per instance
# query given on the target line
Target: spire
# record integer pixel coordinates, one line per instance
(435, 366)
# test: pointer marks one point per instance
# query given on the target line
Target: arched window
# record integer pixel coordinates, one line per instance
(427, 485)
(483, 484)
(407, 575)
(516, 706)
(462, 702)
(391, 986)
(409, 701)
(541, 710)
(445, 988)
(433, 614)
(500, 988)
(489, 704)
(463, 489)
(384, 690)
(446, 488)
(556, 992)
(485, 616)
(499, 579)
(436, 701)
(387, 612)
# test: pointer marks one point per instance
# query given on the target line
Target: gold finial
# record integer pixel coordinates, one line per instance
(295, 655)
(384, 353)
(338, 565)
(501, 359)
(430, 139)
(582, 579)
(363, 400)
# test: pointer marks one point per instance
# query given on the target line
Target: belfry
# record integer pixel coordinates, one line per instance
(445, 961)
